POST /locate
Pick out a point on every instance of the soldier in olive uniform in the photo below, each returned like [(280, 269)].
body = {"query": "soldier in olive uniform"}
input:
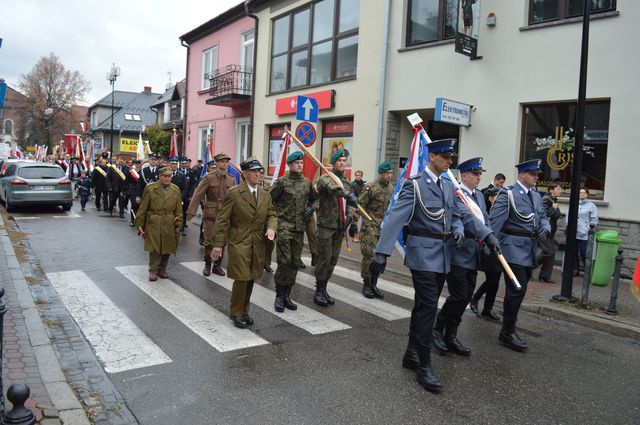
[(374, 198), (159, 220), (334, 216), (246, 217), (292, 197), (213, 187)]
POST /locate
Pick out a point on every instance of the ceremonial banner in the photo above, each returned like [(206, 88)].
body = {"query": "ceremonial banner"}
[(71, 142)]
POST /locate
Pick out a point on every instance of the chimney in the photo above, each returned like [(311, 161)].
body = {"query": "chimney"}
[(147, 89)]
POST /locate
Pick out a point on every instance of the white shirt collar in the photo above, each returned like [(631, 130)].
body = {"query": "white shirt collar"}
[(523, 186), (431, 174), (466, 189)]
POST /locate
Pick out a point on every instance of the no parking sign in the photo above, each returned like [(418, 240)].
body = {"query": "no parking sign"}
[(306, 133)]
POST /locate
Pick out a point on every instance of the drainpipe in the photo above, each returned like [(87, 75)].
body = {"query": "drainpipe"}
[(383, 82), (185, 127), (253, 74)]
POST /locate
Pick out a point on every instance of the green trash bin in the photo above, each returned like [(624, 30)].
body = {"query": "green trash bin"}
[(607, 244)]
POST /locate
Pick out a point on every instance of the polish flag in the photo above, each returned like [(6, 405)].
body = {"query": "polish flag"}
[(174, 144)]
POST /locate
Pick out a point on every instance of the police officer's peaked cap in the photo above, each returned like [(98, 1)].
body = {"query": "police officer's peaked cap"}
[(471, 165), (337, 155), (222, 156), (173, 159), (250, 163), (385, 166), (294, 156), (530, 166), (211, 163), (184, 159), (105, 155), (442, 147), (137, 161)]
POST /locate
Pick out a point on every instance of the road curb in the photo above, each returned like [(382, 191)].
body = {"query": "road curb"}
[(60, 392)]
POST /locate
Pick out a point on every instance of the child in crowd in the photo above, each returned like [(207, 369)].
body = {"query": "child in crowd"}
[(84, 188)]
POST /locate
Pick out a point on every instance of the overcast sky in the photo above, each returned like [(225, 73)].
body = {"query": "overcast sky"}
[(140, 36)]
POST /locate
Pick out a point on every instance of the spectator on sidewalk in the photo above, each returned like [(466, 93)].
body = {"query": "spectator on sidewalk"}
[(84, 188), (548, 247), (498, 182), (587, 217)]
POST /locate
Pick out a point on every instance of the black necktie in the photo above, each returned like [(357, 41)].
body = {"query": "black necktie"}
[(473, 197), (439, 183), (530, 197)]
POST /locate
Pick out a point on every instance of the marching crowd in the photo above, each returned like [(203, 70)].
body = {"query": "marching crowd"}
[(451, 231)]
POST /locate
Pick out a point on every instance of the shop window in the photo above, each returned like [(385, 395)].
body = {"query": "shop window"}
[(551, 10), (549, 135), (275, 145), (431, 20), (337, 135), (315, 44)]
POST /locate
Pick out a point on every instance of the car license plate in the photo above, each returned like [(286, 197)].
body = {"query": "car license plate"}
[(42, 187)]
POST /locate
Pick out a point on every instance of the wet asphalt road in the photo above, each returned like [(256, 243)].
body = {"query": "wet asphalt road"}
[(571, 374)]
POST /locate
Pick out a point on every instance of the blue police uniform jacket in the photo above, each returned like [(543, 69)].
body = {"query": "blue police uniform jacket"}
[(468, 256), (518, 250), (422, 253)]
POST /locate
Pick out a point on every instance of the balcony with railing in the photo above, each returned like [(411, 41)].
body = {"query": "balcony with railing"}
[(230, 86)]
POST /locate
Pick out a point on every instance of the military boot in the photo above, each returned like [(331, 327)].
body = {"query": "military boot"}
[(288, 304), (425, 374), (366, 289), (327, 296), (410, 360), (217, 269), (319, 297), (313, 260), (376, 292), (207, 266), (453, 344), (438, 336), (279, 304)]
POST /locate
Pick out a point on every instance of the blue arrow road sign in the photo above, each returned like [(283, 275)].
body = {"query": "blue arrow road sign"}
[(307, 109)]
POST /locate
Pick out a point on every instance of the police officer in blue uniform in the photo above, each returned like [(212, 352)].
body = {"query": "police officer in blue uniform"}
[(461, 280), (425, 208), (518, 218)]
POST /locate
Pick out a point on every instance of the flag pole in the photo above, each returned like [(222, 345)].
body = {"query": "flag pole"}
[(325, 169)]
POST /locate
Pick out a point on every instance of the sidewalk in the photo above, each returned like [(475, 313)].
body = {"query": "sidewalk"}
[(538, 299), (28, 356)]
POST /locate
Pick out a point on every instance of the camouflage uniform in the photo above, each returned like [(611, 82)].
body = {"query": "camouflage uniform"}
[(291, 195), (330, 228), (375, 199)]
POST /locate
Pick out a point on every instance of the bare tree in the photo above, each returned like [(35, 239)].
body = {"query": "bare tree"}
[(52, 90)]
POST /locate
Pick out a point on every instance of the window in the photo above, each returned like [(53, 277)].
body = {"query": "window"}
[(551, 10), (431, 20), (246, 55), (242, 140), (337, 135), (166, 112), (41, 172), (315, 44), (275, 145), (549, 135), (209, 65), (128, 117), (202, 141), (8, 127), (94, 118)]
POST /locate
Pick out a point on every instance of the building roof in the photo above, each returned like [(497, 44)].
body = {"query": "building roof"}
[(213, 25), (175, 92), (139, 104), (120, 98)]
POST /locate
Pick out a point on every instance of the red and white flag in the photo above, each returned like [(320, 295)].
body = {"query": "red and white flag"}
[(71, 141), (281, 165), (210, 142), (174, 144), (83, 126)]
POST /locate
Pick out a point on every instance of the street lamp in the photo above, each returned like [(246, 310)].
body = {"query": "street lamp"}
[(48, 114), (112, 75)]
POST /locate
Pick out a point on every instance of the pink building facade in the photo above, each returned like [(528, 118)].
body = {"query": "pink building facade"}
[(219, 81)]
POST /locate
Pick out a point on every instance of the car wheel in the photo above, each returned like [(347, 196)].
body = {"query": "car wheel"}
[(67, 207), (8, 205)]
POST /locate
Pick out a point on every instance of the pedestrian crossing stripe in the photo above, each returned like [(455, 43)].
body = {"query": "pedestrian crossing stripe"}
[(118, 343), (304, 318), (374, 306), (205, 321)]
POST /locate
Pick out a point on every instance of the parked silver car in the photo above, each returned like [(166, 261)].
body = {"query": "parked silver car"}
[(34, 183)]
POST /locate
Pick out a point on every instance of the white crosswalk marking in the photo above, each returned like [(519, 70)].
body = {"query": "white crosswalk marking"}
[(374, 306), (304, 317), (118, 342), (205, 321), (395, 288)]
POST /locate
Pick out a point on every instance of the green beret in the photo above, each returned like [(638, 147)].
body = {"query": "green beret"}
[(294, 156), (385, 166), (335, 156)]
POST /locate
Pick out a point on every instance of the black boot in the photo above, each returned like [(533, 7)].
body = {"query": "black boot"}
[(366, 289), (313, 260), (217, 269), (327, 296), (319, 297), (288, 304), (410, 360), (425, 374), (453, 344), (438, 337), (279, 304), (376, 292), (207, 266), (509, 338), (298, 264), (473, 305)]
